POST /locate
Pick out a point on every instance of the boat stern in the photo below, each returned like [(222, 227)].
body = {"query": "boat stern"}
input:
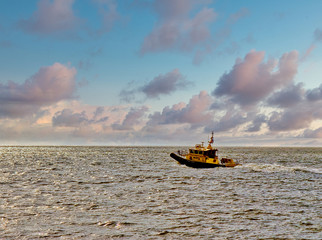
[(228, 162)]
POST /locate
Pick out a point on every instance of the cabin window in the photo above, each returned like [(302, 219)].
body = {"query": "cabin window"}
[(211, 153), (191, 151)]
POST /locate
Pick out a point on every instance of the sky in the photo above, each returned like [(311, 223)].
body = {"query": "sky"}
[(161, 72)]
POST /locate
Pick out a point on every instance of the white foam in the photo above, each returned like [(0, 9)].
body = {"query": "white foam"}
[(278, 168)]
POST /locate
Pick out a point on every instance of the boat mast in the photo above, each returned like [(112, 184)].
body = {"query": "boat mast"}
[(211, 141)]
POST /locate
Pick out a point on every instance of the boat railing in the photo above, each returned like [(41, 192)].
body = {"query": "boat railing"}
[(182, 152)]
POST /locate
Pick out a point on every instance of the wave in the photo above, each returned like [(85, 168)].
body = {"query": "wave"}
[(278, 168)]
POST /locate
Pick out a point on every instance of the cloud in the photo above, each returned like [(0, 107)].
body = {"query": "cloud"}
[(49, 85), (251, 79), (98, 112), (317, 38), (132, 118), (186, 26), (288, 96), (195, 112), (314, 94), (257, 123), (128, 94), (57, 17), (51, 17), (220, 37), (109, 15), (67, 122), (308, 52), (175, 29), (318, 35), (236, 16), (289, 121), (67, 118), (317, 133), (164, 84), (297, 115), (230, 120)]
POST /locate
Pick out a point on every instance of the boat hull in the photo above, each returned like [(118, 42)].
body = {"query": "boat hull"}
[(194, 164)]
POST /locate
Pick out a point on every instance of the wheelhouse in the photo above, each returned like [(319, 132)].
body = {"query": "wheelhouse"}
[(211, 153)]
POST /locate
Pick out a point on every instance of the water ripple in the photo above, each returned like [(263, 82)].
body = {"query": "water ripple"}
[(141, 193)]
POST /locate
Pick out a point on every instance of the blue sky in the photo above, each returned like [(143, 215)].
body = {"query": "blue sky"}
[(160, 72)]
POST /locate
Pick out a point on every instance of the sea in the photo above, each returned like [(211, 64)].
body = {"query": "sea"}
[(103, 192)]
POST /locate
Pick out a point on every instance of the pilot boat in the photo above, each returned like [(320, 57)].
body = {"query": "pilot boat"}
[(202, 157)]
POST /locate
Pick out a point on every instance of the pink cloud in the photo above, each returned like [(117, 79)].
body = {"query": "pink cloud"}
[(51, 17), (220, 37), (175, 28), (195, 112), (308, 52), (251, 79), (132, 119), (49, 85), (198, 28), (67, 118)]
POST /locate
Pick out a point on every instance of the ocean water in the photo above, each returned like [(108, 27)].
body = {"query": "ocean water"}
[(141, 193)]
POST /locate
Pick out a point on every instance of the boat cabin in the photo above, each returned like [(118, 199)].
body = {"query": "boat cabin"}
[(200, 153), (211, 153)]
